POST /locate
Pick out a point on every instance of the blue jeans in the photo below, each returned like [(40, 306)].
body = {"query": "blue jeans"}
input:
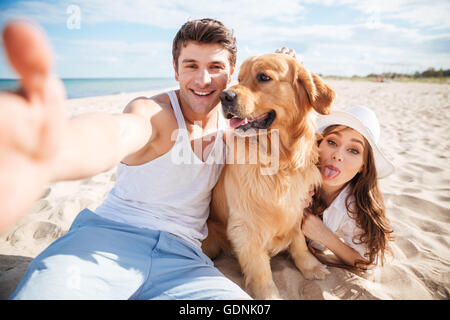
[(103, 259)]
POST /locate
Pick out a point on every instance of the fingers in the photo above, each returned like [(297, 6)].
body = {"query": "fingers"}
[(54, 115), (286, 50), (29, 53), (290, 52), (41, 113)]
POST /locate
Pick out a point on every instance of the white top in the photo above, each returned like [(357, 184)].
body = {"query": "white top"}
[(338, 220), (171, 193)]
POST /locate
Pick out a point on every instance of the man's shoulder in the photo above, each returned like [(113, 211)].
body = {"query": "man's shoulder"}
[(142, 103), (150, 106)]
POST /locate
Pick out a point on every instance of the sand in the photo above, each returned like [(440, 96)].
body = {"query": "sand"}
[(415, 121)]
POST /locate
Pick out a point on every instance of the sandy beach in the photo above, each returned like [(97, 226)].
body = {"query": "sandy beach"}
[(415, 120)]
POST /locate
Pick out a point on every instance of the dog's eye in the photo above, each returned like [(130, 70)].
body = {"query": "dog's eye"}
[(262, 77)]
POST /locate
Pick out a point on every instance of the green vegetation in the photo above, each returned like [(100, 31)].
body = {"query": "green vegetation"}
[(430, 75)]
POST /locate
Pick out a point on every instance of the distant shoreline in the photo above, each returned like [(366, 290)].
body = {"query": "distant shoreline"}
[(102, 78), (93, 87), (443, 80)]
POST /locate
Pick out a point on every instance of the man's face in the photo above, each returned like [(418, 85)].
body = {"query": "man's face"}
[(203, 72)]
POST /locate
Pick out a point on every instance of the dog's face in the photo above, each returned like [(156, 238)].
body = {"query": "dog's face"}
[(274, 91)]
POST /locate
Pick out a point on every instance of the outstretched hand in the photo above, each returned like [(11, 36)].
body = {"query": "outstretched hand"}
[(31, 121)]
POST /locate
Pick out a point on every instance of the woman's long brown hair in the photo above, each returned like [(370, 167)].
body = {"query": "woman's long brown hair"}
[(368, 209)]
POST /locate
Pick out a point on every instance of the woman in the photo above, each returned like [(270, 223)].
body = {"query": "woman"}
[(347, 214)]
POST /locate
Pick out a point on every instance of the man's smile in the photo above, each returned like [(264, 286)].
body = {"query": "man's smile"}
[(202, 93)]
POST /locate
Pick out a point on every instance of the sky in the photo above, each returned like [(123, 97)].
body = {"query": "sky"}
[(133, 38)]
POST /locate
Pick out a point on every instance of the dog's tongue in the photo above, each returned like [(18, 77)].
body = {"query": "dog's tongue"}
[(236, 122)]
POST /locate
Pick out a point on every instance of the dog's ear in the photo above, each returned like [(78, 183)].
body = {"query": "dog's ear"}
[(319, 94)]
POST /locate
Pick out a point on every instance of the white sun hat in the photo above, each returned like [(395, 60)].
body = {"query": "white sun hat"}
[(365, 121)]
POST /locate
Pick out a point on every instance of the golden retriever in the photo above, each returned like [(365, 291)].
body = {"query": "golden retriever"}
[(256, 207)]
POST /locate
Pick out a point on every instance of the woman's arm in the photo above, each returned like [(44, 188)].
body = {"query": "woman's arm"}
[(314, 229)]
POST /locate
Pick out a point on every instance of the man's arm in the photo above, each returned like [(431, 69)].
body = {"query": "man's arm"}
[(96, 142), (37, 144)]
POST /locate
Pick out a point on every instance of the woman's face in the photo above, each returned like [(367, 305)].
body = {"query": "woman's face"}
[(341, 156)]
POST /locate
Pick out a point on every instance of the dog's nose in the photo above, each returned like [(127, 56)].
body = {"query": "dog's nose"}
[(228, 97)]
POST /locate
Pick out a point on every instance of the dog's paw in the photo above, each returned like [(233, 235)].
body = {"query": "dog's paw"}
[(273, 297), (269, 291), (269, 296), (318, 272)]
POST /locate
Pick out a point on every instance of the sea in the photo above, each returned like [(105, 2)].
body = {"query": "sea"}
[(81, 88)]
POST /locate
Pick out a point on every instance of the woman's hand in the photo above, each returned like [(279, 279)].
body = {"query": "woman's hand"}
[(290, 52), (313, 228)]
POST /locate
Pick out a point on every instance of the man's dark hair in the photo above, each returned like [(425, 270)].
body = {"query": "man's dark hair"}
[(204, 31)]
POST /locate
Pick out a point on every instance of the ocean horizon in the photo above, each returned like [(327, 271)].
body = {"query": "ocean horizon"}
[(91, 87)]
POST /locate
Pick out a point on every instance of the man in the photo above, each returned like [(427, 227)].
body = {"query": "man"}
[(143, 242)]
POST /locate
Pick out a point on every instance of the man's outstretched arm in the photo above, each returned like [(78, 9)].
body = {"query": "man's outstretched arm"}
[(38, 144), (96, 142)]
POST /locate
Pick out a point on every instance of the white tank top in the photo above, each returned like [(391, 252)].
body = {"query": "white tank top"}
[(171, 193)]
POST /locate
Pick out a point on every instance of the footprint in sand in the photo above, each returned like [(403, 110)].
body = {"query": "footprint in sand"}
[(86, 181), (432, 227), (408, 247), (38, 230), (41, 205), (431, 169), (311, 290), (44, 229), (422, 207), (443, 198), (411, 190), (46, 193), (406, 177), (66, 210)]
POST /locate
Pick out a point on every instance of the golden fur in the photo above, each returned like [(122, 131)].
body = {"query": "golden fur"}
[(257, 215)]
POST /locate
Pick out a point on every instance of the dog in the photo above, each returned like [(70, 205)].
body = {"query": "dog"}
[(255, 214)]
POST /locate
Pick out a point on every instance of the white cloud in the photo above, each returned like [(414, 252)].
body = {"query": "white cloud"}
[(38, 11), (424, 13), (396, 34), (118, 58), (164, 14)]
